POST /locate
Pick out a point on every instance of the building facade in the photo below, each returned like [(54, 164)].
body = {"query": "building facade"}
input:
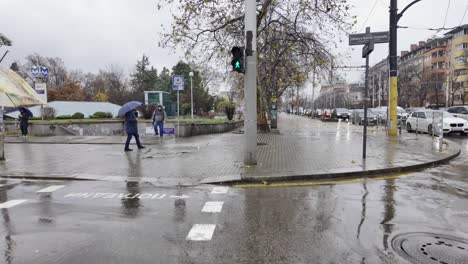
[(458, 55), (427, 72)]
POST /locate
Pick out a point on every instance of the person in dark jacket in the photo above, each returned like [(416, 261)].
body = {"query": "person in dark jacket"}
[(24, 121), (131, 127), (158, 120)]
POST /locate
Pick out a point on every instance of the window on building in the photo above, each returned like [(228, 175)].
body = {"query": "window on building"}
[(461, 46), (460, 72), (461, 59), (461, 33)]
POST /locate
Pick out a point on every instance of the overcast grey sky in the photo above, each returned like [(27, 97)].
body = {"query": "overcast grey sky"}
[(91, 34)]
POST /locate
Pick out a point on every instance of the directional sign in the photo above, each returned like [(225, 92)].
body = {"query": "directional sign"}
[(44, 71), (364, 38), (35, 71), (178, 82), (367, 49)]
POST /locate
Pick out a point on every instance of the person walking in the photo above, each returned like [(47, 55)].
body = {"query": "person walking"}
[(158, 120), (24, 121), (131, 127)]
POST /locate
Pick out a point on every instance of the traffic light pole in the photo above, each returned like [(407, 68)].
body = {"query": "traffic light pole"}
[(250, 84)]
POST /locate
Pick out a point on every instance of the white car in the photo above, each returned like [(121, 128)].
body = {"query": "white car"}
[(459, 111), (421, 121)]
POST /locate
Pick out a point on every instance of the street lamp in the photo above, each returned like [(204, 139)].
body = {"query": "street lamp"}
[(191, 93)]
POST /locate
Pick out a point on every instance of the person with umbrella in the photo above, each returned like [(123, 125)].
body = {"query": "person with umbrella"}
[(131, 123), (24, 116)]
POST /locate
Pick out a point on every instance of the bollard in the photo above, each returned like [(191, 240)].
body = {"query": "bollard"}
[(2, 146)]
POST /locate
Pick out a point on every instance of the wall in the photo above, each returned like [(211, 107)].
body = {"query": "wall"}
[(116, 128)]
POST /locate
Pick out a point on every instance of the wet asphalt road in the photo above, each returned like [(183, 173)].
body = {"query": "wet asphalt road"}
[(118, 222)]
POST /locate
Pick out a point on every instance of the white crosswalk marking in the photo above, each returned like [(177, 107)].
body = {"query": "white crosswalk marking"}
[(220, 190), (212, 207), (11, 203), (51, 188), (201, 232)]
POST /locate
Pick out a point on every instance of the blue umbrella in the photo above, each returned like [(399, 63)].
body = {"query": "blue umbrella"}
[(128, 107), (27, 111)]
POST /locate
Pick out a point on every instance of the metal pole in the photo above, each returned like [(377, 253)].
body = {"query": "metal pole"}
[(313, 91), (380, 85), (392, 93), (191, 95), (2, 136), (447, 87), (178, 113), (366, 97), (250, 84)]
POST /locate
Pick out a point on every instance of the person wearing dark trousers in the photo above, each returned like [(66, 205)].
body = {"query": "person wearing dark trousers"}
[(131, 127), (24, 120), (158, 120)]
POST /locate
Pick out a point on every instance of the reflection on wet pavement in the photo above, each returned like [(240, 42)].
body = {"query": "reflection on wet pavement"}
[(136, 222)]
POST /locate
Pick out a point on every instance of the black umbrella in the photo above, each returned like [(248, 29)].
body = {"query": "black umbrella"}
[(27, 111)]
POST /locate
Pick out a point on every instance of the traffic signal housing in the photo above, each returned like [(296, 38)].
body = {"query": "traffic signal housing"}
[(237, 59)]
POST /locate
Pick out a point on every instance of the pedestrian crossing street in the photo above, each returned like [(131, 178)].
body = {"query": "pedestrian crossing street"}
[(198, 232)]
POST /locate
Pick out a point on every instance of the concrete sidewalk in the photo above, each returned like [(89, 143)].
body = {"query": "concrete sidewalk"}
[(304, 149)]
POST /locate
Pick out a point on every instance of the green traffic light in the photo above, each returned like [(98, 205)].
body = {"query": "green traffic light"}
[(237, 66)]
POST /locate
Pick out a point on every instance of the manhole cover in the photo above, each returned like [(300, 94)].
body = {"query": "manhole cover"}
[(427, 248), (261, 144)]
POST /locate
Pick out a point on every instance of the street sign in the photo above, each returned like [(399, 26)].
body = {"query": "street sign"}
[(44, 71), (35, 71), (367, 49), (39, 71), (364, 38), (178, 82)]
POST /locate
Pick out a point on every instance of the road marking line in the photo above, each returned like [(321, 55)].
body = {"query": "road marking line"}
[(220, 190), (201, 232), (11, 203), (51, 188), (212, 207)]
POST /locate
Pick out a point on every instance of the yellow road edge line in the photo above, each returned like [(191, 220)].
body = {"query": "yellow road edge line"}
[(314, 183)]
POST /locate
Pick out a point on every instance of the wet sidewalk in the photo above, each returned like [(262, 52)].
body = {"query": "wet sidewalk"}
[(304, 149)]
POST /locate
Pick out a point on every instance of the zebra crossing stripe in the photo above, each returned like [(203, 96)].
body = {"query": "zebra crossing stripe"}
[(201, 232), (51, 188), (212, 207)]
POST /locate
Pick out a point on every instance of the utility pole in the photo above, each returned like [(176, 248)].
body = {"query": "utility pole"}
[(191, 94), (393, 89), (313, 90), (447, 88), (250, 83)]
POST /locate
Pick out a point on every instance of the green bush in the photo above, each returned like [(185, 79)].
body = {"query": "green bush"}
[(77, 115), (63, 117), (109, 115), (99, 115)]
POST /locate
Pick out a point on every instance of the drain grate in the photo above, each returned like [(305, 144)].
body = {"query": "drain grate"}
[(428, 248)]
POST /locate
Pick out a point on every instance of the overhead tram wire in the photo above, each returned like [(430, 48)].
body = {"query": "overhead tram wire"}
[(369, 15), (445, 19), (461, 21)]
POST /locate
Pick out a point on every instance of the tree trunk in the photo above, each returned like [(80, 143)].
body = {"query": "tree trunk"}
[(262, 122)]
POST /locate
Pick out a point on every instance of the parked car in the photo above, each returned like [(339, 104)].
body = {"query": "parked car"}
[(459, 111), (357, 117), (421, 121), (341, 113)]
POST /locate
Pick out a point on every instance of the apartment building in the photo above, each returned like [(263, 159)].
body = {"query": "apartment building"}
[(426, 71), (458, 66)]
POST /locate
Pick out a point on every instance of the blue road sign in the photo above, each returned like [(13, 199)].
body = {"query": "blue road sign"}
[(35, 71), (44, 71), (178, 82)]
